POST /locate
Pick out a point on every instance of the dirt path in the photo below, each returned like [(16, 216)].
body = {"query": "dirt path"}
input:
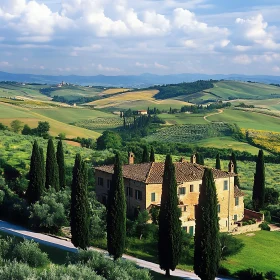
[(220, 111)]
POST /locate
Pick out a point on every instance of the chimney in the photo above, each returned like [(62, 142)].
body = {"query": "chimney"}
[(193, 158), (130, 158), (182, 159), (231, 167)]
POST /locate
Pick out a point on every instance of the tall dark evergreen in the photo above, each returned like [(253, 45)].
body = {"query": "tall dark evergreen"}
[(199, 158), (259, 183), (42, 158), (152, 155), (52, 176), (207, 250), (170, 234), (61, 164), (236, 178), (116, 213), (145, 155), (218, 162), (79, 212), (35, 187)]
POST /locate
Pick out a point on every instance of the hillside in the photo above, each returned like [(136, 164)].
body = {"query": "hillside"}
[(9, 112)]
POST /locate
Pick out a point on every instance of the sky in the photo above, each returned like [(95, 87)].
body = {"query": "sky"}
[(131, 37)]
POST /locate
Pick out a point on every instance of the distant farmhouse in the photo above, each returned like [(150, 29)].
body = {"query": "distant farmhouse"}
[(143, 186)]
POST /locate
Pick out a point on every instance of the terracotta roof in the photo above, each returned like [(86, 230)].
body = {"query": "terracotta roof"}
[(152, 173), (238, 192)]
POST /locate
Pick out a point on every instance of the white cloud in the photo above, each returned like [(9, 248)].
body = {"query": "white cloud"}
[(5, 64), (276, 69), (242, 59), (160, 66), (107, 69), (143, 65)]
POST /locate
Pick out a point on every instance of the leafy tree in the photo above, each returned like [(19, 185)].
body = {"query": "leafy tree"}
[(109, 139), (62, 136), (26, 130), (154, 212), (43, 129), (152, 155), (36, 187), (145, 155), (116, 213), (61, 164), (52, 176), (16, 126), (170, 234), (259, 183), (218, 162), (79, 214), (3, 127), (236, 178), (271, 196), (207, 248)]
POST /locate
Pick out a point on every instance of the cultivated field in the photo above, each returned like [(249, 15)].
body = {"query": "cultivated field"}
[(8, 113)]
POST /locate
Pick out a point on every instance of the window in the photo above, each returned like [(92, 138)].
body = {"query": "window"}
[(235, 217), (185, 208), (219, 208), (138, 195), (191, 230), (200, 185), (109, 182), (100, 181), (191, 188), (129, 192), (153, 197), (182, 191), (236, 201), (185, 229), (226, 185)]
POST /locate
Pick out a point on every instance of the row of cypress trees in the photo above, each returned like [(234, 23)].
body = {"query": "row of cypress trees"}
[(207, 244), (146, 157), (43, 176)]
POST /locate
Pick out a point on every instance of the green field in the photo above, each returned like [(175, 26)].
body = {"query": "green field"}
[(227, 143), (245, 119), (261, 252), (8, 113), (183, 118), (245, 90)]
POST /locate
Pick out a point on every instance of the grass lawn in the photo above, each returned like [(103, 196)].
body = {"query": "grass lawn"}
[(261, 252), (245, 119)]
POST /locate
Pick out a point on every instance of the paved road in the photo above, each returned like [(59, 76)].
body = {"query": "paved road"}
[(68, 246)]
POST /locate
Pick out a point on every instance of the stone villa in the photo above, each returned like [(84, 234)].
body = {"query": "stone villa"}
[(143, 186)]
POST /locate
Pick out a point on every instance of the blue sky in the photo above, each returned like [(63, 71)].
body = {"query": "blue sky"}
[(120, 37)]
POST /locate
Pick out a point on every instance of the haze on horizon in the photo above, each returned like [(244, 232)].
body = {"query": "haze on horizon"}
[(120, 37)]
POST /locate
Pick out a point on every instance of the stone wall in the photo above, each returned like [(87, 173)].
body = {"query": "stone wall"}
[(245, 229)]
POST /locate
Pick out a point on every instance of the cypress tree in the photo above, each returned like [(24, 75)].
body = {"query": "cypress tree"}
[(259, 183), (236, 178), (145, 155), (52, 177), (218, 162), (43, 166), (199, 158), (152, 155), (206, 241), (61, 164), (116, 213), (170, 233), (79, 212), (35, 187)]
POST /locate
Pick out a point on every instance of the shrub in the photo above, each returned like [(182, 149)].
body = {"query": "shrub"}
[(223, 271), (264, 226), (110, 270), (18, 271), (230, 245), (271, 275), (249, 274), (29, 252)]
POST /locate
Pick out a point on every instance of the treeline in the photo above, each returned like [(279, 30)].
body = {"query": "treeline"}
[(174, 90), (200, 109)]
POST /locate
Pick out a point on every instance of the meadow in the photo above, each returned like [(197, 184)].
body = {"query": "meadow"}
[(9, 112)]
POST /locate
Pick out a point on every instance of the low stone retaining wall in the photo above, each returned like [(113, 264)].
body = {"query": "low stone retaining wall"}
[(248, 228)]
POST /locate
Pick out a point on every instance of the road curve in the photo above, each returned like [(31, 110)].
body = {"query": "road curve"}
[(220, 111), (68, 246)]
